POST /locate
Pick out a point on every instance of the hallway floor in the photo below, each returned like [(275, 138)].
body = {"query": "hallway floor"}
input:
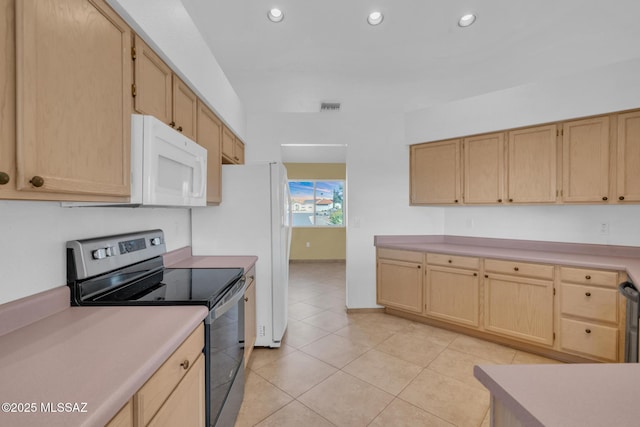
[(365, 369)]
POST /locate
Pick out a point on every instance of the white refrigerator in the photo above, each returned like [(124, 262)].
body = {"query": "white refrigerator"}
[(254, 218)]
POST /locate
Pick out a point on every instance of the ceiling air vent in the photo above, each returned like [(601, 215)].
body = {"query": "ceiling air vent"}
[(330, 106)]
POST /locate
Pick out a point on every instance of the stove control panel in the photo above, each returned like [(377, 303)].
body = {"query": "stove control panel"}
[(90, 257)]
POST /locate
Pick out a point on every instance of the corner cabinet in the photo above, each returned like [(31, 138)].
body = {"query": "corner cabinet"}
[(73, 80), (435, 173), (400, 279)]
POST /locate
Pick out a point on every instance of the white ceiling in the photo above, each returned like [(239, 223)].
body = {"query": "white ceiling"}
[(418, 57)]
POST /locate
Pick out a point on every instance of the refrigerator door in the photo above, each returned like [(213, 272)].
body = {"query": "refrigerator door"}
[(281, 243)]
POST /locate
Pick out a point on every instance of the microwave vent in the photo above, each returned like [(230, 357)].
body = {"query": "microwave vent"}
[(330, 106)]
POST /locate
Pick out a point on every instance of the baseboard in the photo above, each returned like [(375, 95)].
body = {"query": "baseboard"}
[(364, 310)]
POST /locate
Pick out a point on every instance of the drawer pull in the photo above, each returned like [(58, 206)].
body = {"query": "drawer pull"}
[(475, 274), (621, 198), (4, 178), (449, 261), (516, 269), (587, 277), (185, 364), (486, 276), (588, 294), (37, 181), (588, 331)]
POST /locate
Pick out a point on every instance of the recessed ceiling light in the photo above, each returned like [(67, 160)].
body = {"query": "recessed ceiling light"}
[(467, 20), (375, 18), (275, 15)]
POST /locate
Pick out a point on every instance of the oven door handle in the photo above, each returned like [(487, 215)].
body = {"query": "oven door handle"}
[(227, 304)]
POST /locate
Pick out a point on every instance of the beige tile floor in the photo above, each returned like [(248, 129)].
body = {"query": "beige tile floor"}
[(365, 369)]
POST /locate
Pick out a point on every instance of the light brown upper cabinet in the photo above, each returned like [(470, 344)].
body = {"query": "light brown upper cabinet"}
[(585, 160), (484, 169), (232, 148), (532, 167), (435, 173), (159, 92), (628, 157), (73, 117), (210, 137), (153, 83), (185, 108)]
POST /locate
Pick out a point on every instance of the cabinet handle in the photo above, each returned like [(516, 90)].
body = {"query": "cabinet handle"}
[(475, 274), (588, 331), (37, 181), (172, 124), (449, 261), (185, 364), (246, 299), (621, 198), (516, 269), (4, 178), (588, 294), (455, 201), (486, 276), (587, 277), (419, 266), (499, 200), (179, 129), (605, 198), (511, 200)]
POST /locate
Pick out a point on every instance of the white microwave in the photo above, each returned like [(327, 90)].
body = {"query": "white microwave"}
[(167, 168)]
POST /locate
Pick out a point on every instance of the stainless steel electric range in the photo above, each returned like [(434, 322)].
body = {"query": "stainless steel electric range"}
[(128, 269)]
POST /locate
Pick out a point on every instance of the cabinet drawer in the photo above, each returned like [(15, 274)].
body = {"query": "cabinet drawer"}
[(519, 268), (589, 277), (400, 255), (454, 261), (155, 391), (590, 302), (589, 339)]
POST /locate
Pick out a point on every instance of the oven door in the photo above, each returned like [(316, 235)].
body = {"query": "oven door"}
[(224, 371)]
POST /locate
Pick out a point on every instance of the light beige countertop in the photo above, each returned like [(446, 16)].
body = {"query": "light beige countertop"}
[(182, 258), (608, 257), (93, 358), (579, 395)]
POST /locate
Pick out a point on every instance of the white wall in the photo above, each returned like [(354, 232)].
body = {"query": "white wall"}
[(612, 88), (33, 237), (167, 27), (377, 181)]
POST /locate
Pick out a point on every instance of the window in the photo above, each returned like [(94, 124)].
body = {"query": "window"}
[(317, 203)]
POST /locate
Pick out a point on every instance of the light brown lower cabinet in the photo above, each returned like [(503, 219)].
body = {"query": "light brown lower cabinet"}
[(400, 283), (174, 395), (250, 325), (571, 313)]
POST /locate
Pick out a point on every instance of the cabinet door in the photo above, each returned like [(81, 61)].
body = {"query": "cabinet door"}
[(484, 169), (519, 307), (210, 136), (532, 165), (124, 418), (250, 325), (152, 83), (7, 95), (628, 157), (435, 173), (228, 146), (400, 285), (453, 295), (585, 160), (185, 406), (73, 61), (239, 151), (185, 108)]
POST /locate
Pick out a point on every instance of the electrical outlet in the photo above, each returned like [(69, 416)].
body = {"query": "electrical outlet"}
[(604, 228), (308, 244)]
